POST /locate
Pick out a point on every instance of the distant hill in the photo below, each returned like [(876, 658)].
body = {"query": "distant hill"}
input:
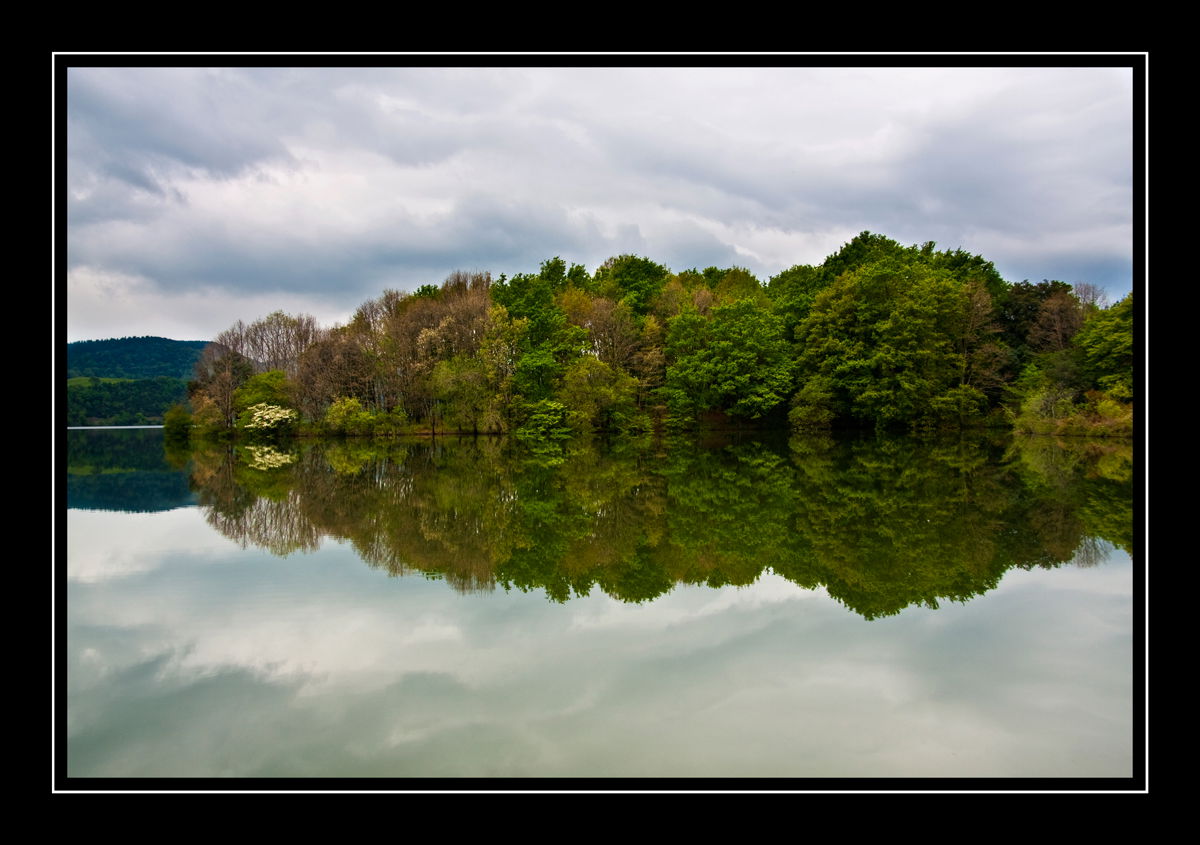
[(133, 358), (127, 381)]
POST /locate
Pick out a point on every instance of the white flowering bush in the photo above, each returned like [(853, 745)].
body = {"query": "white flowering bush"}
[(267, 420)]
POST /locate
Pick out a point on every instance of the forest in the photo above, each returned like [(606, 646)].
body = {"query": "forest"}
[(879, 335), (129, 380), (114, 401), (133, 358)]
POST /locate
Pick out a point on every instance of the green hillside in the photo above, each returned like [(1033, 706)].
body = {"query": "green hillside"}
[(133, 357), (127, 381)]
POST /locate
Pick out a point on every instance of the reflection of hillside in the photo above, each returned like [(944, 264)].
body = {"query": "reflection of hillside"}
[(123, 470), (882, 524)]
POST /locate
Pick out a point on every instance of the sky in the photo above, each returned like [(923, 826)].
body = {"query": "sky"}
[(195, 197)]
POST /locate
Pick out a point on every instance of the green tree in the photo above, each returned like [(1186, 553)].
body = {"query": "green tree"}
[(737, 362), (599, 396), (877, 347), (631, 279), (1105, 344), (792, 293), (272, 387), (347, 416), (461, 386), (177, 424), (739, 283)]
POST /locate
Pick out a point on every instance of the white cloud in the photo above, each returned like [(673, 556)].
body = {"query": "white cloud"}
[(102, 303), (97, 553)]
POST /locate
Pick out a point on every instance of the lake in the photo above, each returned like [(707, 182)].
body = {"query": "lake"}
[(724, 607)]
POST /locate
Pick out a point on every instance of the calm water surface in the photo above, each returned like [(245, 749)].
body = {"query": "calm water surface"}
[(806, 608)]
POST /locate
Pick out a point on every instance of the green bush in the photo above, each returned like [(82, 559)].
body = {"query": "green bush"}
[(347, 417), (546, 420), (177, 424)]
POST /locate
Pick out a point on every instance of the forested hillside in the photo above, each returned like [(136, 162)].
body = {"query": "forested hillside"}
[(128, 381), (94, 401), (878, 335), (134, 357)]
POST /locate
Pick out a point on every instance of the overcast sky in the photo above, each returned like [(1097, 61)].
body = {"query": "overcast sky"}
[(196, 197)]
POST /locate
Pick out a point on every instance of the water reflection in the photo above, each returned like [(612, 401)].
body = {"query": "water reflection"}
[(880, 523), (125, 470), (264, 648)]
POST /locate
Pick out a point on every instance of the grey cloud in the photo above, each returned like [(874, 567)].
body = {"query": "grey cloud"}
[(131, 124), (1029, 167)]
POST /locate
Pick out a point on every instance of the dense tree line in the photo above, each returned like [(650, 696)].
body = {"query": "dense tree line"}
[(92, 401), (878, 335)]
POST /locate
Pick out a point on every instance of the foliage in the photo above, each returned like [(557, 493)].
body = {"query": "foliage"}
[(269, 388), (881, 523), (878, 335), (97, 401), (599, 396), (876, 347), (1105, 343), (737, 360), (544, 420), (347, 416), (632, 280), (133, 358), (177, 423)]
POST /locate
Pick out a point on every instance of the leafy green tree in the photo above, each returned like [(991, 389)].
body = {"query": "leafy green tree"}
[(792, 293), (544, 420), (461, 385), (530, 297), (599, 396), (501, 349), (272, 388), (739, 283), (177, 424), (685, 390), (877, 347), (966, 267), (554, 271), (1105, 343), (347, 416), (867, 248), (631, 279), (737, 362)]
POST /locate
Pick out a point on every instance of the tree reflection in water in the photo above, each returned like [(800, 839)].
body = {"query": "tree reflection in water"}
[(881, 523)]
